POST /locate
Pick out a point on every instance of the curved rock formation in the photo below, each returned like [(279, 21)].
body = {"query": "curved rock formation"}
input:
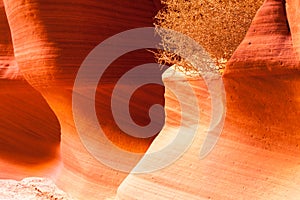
[(51, 39), (270, 45), (30, 132), (256, 156)]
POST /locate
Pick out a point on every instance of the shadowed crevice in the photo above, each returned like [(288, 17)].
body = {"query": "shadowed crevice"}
[(29, 130), (285, 15)]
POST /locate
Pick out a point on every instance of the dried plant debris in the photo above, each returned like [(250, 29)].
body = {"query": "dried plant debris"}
[(31, 189), (219, 26)]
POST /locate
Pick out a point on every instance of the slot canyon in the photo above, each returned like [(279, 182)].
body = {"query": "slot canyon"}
[(43, 45)]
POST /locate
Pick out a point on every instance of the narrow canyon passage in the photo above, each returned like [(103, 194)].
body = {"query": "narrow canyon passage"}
[(256, 157), (50, 41)]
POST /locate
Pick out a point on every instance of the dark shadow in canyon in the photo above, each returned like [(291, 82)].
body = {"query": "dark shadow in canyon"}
[(30, 131)]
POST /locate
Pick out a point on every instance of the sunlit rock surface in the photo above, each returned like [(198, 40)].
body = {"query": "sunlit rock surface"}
[(256, 156), (271, 44), (50, 41)]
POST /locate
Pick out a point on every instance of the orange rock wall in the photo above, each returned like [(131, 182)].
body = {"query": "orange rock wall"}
[(270, 45), (255, 158), (50, 41)]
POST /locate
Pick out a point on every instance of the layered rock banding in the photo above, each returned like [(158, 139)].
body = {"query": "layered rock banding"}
[(26, 119), (270, 45), (50, 41), (256, 156)]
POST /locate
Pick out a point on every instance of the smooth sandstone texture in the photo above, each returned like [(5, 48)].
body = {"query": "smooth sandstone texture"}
[(271, 43), (30, 132), (50, 40), (256, 156)]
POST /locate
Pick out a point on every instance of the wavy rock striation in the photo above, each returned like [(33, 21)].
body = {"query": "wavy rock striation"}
[(30, 132), (256, 156), (8, 66), (50, 41), (271, 43)]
